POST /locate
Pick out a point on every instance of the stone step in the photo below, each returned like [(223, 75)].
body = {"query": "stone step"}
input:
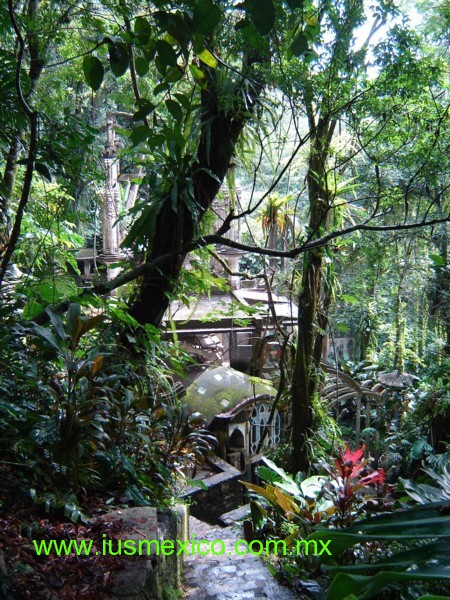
[(233, 516), (229, 576)]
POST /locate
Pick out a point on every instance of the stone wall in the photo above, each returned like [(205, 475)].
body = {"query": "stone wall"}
[(153, 577), (216, 495)]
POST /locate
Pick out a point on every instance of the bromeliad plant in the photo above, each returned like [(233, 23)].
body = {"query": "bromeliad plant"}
[(349, 489), (353, 487)]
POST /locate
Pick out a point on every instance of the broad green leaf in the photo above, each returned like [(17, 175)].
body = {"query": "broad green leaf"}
[(422, 521), (313, 485), (438, 551), (141, 65), (311, 56), (263, 15), (343, 585), (93, 72), (118, 58), (175, 109), (161, 87), (160, 65), (299, 45), (144, 110), (207, 16), (166, 53), (143, 29), (252, 37), (198, 76), (206, 57), (177, 27), (183, 100), (427, 521), (281, 473), (43, 170), (156, 140), (173, 74), (312, 28), (31, 309), (53, 290), (438, 261), (139, 134)]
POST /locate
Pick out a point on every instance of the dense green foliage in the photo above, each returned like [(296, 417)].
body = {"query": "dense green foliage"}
[(326, 125), (82, 415), (400, 553)]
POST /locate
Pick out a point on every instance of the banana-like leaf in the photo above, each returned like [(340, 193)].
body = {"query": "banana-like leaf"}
[(424, 493), (424, 522), (433, 597), (345, 585), (47, 335), (265, 493), (258, 514), (437, 551), (430, 520), (286, 503)]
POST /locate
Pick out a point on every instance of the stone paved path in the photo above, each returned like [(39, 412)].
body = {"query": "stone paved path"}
[(229, 576)]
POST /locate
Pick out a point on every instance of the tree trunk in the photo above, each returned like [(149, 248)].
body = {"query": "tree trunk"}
[(37, 49), (175, 229), (399, 344), (306, 373), (9, 178)]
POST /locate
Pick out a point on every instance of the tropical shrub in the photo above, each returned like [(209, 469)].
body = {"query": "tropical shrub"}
[(353, 487), (79, 413), (290, 508), (349, 489)]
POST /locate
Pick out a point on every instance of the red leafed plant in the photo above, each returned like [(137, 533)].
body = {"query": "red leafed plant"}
[(351, 488)]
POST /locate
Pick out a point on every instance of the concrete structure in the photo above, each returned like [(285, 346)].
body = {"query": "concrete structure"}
[(218, 491), (238, 409), (153, 576)]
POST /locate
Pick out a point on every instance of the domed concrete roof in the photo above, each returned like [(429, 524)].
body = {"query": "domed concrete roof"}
[(219, 389)]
